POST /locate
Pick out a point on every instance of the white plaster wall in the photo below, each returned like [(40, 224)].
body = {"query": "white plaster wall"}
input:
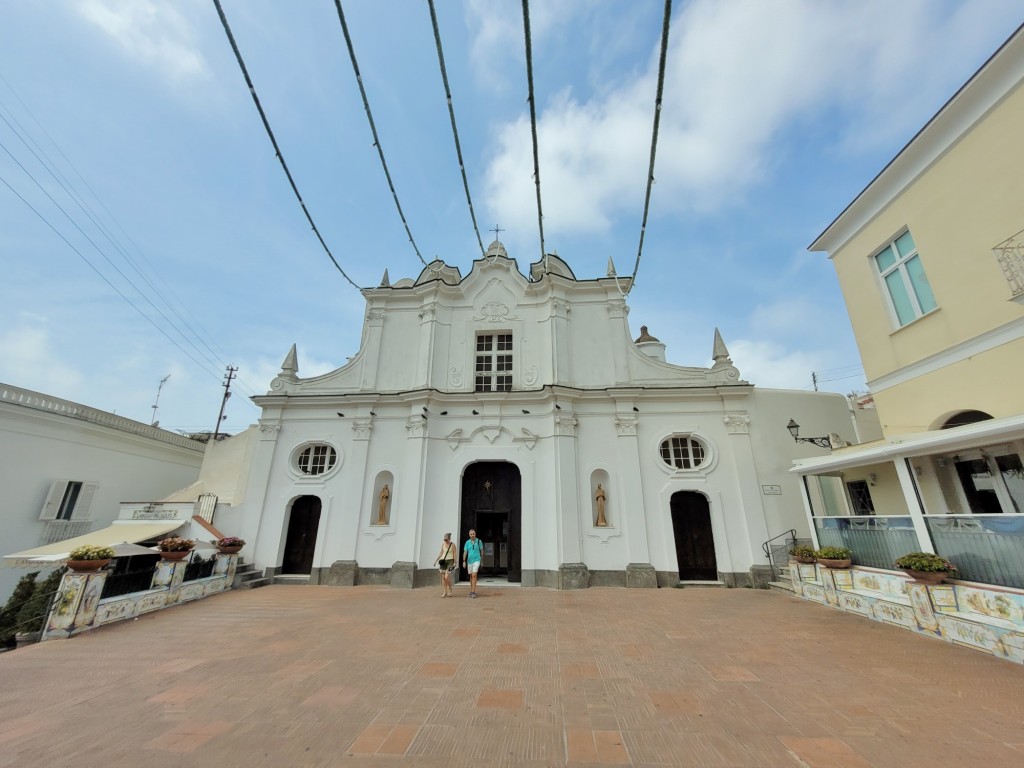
[(37, 448)]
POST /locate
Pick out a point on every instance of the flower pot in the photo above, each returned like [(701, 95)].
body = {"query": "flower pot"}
[(230, 550), (179, 555), (87, 566), (804, 559), (835, 563), (927, 577)]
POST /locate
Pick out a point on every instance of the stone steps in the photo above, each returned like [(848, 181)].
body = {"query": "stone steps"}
[(247, 577)]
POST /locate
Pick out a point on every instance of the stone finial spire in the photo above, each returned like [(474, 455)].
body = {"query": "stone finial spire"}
[(385, 281), (720, 354), (290, 366), (611, 267)]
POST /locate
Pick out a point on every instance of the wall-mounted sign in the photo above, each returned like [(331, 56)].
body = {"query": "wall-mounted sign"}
[(771, 490)]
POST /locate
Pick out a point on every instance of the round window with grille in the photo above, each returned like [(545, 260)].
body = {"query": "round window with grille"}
[(316, 459), (683, 452)]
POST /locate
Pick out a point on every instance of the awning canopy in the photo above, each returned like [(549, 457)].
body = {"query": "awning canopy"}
[(120, 532)]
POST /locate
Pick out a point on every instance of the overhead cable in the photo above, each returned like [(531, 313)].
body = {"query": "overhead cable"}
[(654, 137), (52, 167), (533, 128), (451, 113), (105, 279), (277, 149), (373, 128)]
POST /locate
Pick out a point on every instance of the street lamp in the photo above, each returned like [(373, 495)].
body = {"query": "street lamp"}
[(794, 430)]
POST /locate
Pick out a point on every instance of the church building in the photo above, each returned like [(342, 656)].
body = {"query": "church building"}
[(519, 406)]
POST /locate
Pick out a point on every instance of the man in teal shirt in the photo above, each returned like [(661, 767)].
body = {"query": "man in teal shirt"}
[(471, 559)]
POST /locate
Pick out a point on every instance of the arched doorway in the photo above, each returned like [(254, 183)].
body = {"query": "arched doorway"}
[(300, 542), (695, 543), (491, 504)]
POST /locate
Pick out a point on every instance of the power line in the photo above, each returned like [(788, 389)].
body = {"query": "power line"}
[(373, 128), (53, 168), (451, 113), (273, 141), (104, 277), (533, 127), (654, 137)]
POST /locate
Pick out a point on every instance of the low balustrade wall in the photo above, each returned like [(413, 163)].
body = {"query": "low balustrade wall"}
[(984, 617), (80, 605)]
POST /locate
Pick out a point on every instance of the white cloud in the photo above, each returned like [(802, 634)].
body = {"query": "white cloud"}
[(26, 348), (738, 74), (151, 33), (768, 364)]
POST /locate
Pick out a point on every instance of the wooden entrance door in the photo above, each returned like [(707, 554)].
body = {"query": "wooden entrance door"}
[(301, 540), (491, 492), (695, 544)]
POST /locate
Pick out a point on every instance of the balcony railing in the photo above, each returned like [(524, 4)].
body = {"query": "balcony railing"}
[(985, 548), (875, 541), (1010, 255)]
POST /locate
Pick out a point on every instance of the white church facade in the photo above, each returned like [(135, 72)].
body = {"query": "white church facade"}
[(522, 407)]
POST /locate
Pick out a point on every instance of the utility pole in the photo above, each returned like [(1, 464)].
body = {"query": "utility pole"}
[(154, 422), (814, 380), (227, 393)]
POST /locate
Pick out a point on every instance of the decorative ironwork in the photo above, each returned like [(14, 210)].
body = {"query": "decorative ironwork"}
[(1010, 255)]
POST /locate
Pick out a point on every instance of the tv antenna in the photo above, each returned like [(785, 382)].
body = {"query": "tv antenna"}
[(156, 403)]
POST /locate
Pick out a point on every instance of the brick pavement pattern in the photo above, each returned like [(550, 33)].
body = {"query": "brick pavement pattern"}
[(319, 676)]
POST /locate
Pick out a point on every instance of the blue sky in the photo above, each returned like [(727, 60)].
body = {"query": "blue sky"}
[(776, 114)]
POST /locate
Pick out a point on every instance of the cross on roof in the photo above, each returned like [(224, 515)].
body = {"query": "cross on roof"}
[(496, 230)]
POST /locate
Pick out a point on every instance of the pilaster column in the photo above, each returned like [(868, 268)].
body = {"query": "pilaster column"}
[(631, 491), (567, 503)]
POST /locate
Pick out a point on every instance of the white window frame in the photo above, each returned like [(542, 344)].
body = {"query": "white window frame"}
[(69, 500), (498, 360), (332, 457), (900, 265)]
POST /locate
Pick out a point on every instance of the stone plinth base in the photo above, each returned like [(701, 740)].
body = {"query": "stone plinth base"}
[(641, 575), (403, 575), (573, 576), (342, 573)]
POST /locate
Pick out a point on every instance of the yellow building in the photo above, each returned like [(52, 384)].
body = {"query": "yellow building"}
[(930, 259)]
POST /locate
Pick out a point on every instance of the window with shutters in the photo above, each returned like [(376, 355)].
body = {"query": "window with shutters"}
[(69, 500)]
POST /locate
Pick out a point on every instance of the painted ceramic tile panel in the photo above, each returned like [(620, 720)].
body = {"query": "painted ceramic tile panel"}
[(808, 572), (922, 606), (178, 575), (814, 592), (114, 610), (222, 564), (213, 586), (1013, 645), (164, 573), (866, 581), (944, 598), (998, 605), (152, 602), (855, 604), (829, 587), (62, 615), (91, 595), (895, 614), (968, 633), (843, 579), (191, 592)]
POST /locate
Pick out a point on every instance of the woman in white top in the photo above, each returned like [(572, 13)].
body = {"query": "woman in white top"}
[(445, 561)]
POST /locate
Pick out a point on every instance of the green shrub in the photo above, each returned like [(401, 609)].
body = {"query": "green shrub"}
[(9, 615), (924, 561), (801, 550), (833, 553), (33, 612)]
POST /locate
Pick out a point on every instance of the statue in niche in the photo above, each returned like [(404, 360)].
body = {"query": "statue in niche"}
[(599, 498), (382, 506)]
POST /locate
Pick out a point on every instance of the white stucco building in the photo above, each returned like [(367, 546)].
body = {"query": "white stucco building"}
[(65, 468), (501, 402)]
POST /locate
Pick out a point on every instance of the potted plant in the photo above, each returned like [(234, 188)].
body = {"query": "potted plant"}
[(175, 548), (89, 558), (802, 553), (925, 567), (834, 557), (229, 545)]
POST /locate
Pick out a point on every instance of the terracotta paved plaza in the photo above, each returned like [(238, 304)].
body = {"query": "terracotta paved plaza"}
[(317, 676)]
